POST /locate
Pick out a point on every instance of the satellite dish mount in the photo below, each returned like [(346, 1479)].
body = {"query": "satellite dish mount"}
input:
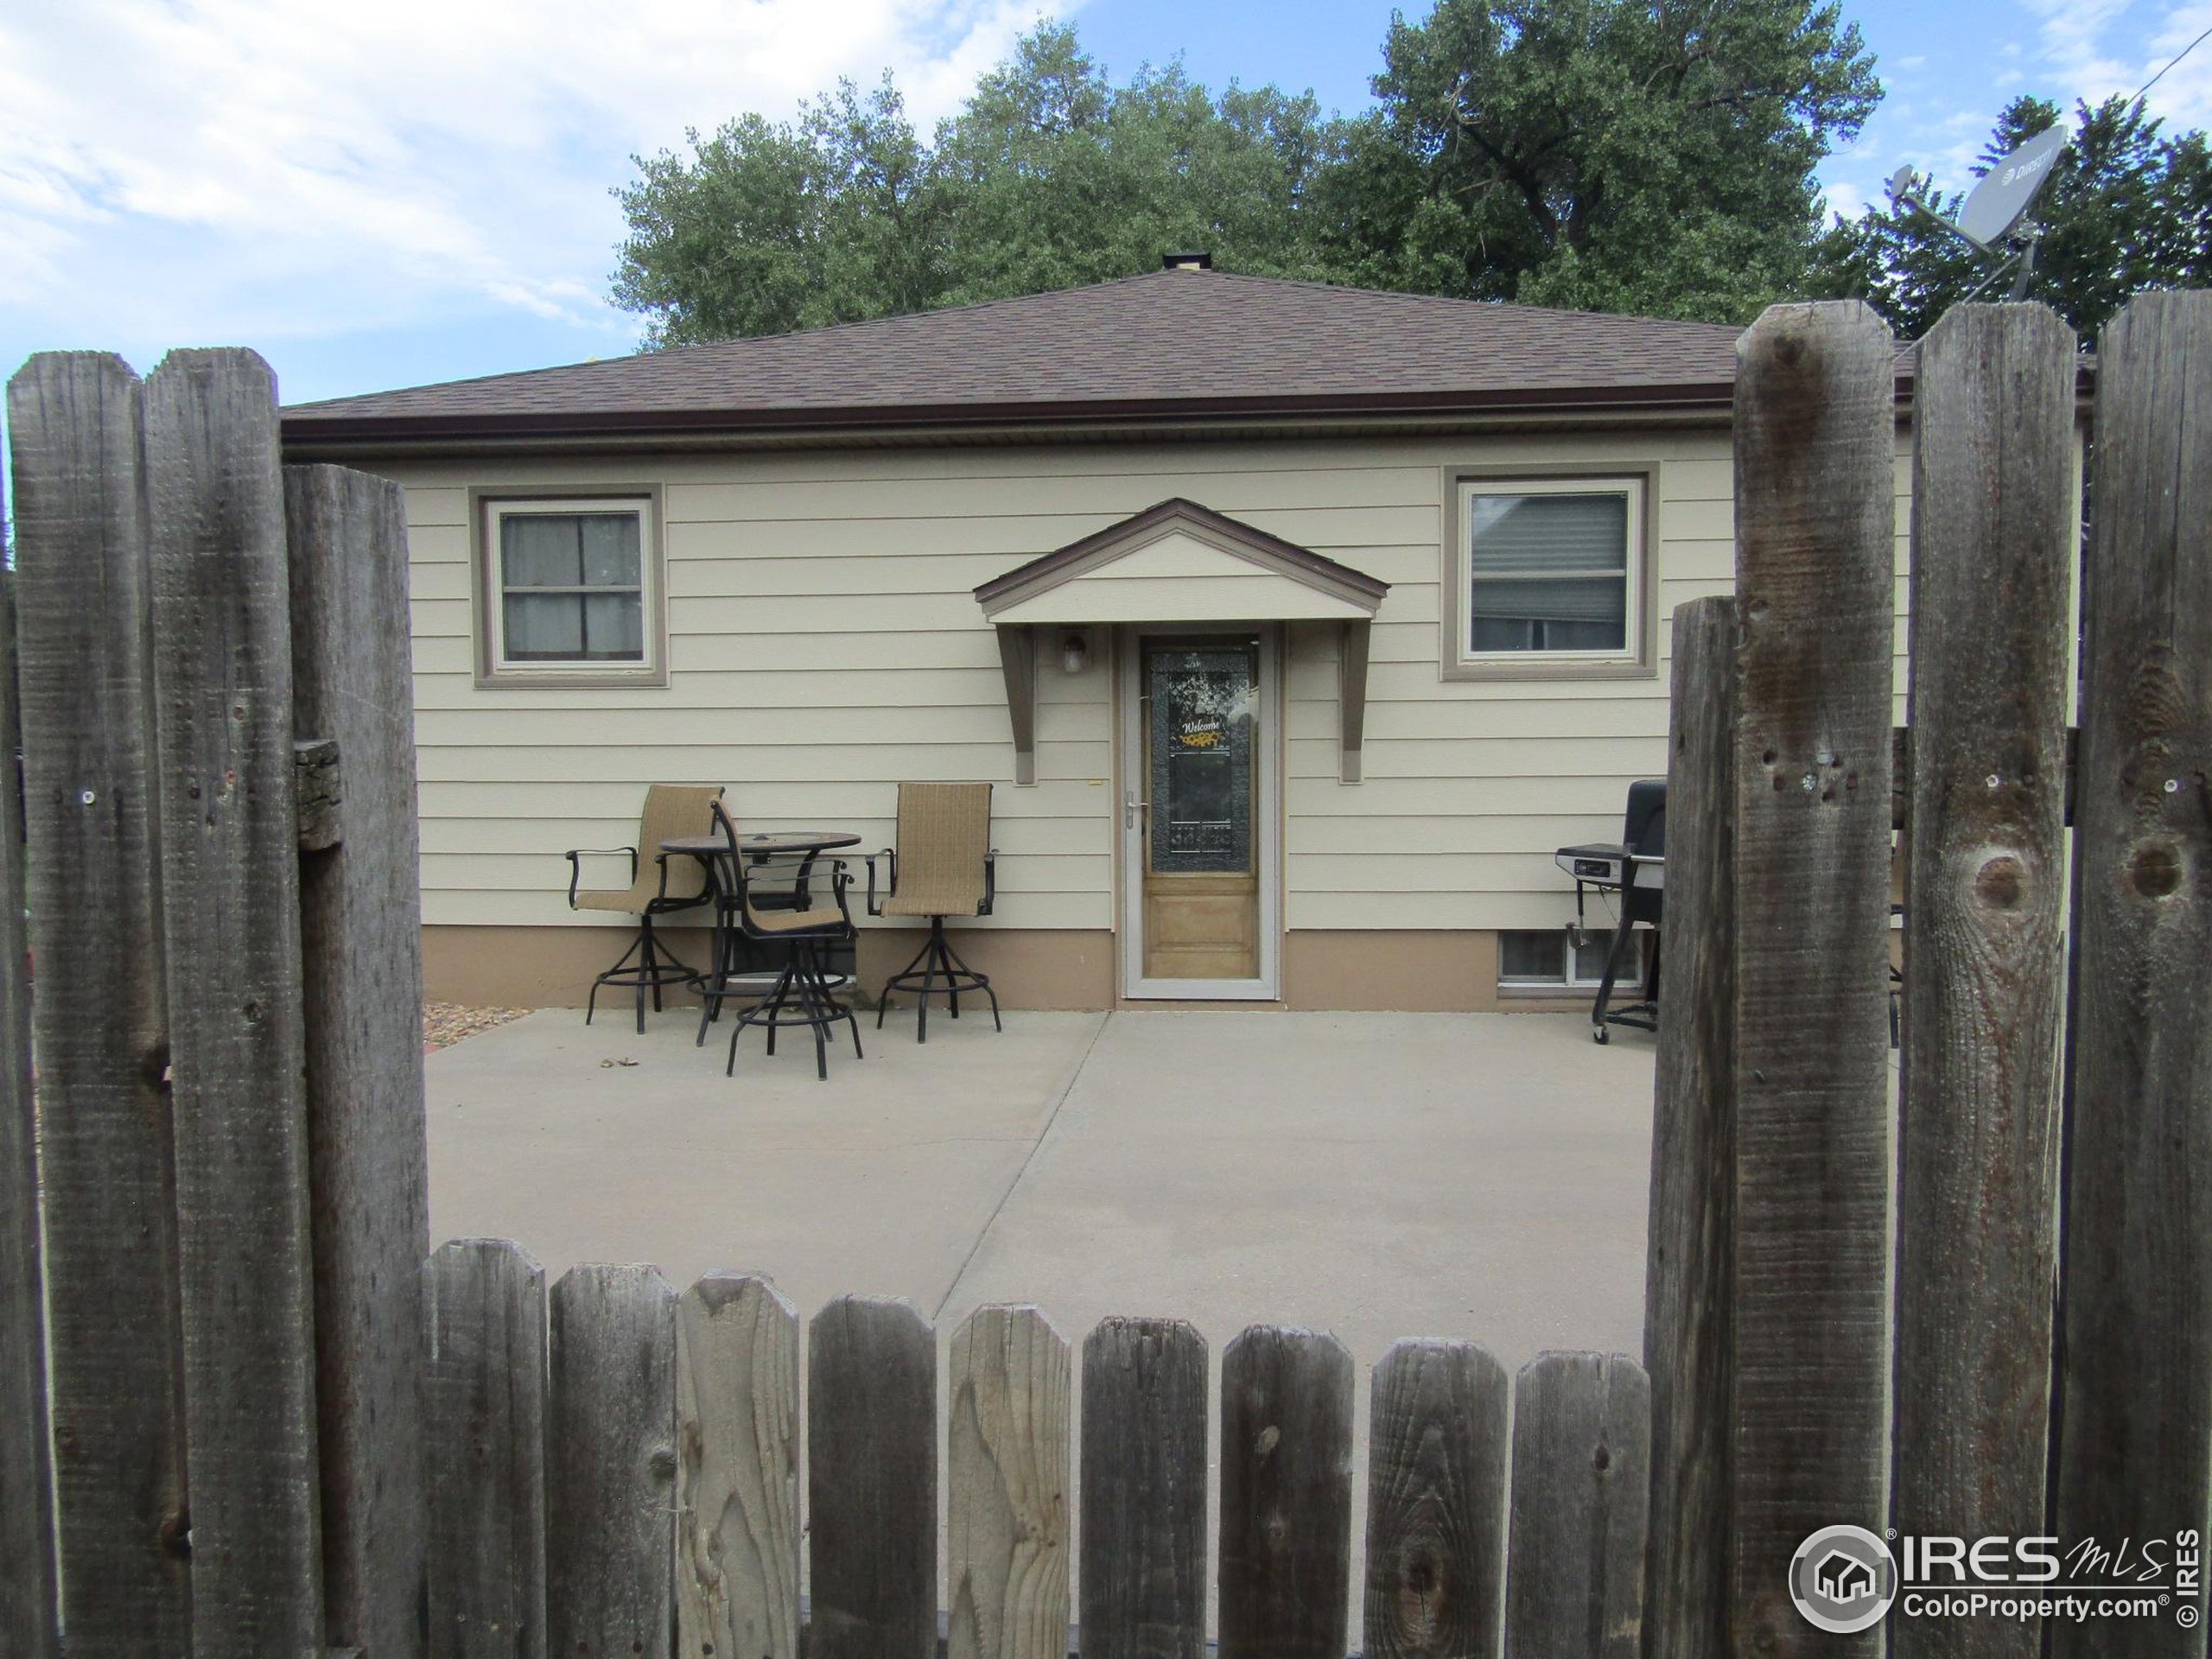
[(1989, 220)]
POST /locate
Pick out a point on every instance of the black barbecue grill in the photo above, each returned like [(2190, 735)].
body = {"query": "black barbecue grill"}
[(1634, 866)]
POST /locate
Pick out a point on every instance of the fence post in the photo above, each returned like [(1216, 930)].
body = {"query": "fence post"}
[(1284, 1560), (26, 1497), (1437, 1453), (360, 944), (1010, 1411), (230, 880), (1143, 1580), (1815, 522), (483, 1386), (2135, 1438), (76, 431), (871, 1479), (1994, 534), (1690, 1262), (1581, 1500), (737, 1518)]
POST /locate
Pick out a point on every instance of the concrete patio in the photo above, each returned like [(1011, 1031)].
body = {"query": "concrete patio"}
[(1376, 1175)]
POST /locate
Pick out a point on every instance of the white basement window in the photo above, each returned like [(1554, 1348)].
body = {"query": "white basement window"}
[(1548, 957), (1549, 575), (570, 590)]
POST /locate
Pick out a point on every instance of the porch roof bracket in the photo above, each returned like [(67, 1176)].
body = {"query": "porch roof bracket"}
[(1351, 696), (1018, 658)]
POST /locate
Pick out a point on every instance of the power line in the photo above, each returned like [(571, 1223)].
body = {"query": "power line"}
[(2174, 59)]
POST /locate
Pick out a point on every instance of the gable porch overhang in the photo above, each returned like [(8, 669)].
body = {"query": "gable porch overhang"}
[(1182, 563)]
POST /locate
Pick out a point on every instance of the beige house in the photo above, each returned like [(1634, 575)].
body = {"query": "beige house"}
[(1296, 626)]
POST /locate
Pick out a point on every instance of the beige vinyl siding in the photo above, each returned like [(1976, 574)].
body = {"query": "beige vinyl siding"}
[(823, 644)]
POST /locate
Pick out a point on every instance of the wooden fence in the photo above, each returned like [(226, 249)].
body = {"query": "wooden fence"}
[(275, 1423)]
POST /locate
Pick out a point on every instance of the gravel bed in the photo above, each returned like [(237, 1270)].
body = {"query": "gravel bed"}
[(445, 1024)]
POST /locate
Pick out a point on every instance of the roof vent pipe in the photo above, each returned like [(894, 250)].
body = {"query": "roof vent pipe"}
[(1186, 262)]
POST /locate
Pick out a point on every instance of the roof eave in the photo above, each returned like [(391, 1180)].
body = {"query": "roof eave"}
[(302, 431)]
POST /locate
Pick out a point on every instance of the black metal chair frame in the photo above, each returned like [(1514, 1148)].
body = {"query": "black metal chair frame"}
[(802, 994), (648, 965), (943, 970), (730, 979)]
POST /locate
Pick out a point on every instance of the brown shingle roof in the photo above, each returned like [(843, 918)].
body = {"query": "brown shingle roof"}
[(1170, 344)]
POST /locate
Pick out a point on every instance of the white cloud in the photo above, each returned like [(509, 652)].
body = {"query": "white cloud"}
[(1844, 199), (2096, 49), (243, 169), (2183, 95)]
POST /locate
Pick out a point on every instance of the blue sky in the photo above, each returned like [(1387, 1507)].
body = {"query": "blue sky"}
[(418, 190)]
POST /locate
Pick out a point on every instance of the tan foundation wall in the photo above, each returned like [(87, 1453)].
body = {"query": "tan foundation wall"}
[(553, 967), (1440, 971)]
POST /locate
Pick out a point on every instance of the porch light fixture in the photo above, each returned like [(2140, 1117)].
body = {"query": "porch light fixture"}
[(1075, 653)]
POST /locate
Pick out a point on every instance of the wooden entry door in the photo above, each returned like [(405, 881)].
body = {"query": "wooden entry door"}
[(1198, 799)]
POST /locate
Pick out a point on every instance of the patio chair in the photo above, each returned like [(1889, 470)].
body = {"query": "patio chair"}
[(658, 888), (768, 912), (746, 969), (943, 866)]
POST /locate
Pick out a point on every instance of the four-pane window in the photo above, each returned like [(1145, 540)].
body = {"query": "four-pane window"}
[(570, 585)]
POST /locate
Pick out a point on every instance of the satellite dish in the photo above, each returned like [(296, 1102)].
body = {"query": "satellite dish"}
[(2010, 188), (1994, 208)]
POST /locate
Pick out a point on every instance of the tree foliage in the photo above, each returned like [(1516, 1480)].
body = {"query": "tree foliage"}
[(2125, 209), (1049, 177), (1653, 156)]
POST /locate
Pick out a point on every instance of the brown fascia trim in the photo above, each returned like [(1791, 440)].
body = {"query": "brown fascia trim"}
[(309, 432), (1177, 506), (314, 437)]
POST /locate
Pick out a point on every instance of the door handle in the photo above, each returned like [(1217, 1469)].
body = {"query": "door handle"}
[(1130, 807)]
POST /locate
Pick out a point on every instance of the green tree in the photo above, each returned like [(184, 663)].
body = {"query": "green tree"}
[(2125, 209), (1049, 176), (1629, 155), (770, 226)]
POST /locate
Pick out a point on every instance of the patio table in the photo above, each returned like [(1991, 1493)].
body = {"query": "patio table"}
[(805, 845)]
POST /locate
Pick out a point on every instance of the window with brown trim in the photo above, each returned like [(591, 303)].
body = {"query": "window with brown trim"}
[(1547, 575), (570, 590)]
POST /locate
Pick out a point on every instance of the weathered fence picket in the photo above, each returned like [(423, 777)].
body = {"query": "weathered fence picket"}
[(231, 914), (484, 1422), (610, 1464), (1581, 1494), (76, 430), (1815, 518), (361, 940), (1436, 1453), (2135, 1438), (1994, 539), (26, 1468), (1142, 1537), (1690, 1262), (737, 1560), (1285, 1562), (870, 1481), (1009, 1413)]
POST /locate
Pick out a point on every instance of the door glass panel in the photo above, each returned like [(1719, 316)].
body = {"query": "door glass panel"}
[(1202, 700)]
